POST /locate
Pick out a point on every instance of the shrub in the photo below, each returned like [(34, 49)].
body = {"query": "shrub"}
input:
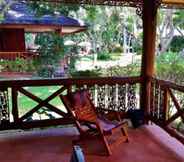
[(118, 49), (170, 66), (45, 71), (129, 70), (103, 56), (87, 73), (18, 65), (177, 44)]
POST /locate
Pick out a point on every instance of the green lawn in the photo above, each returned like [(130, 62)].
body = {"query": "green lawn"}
[(25, 104), (87, 58), (115, 56)]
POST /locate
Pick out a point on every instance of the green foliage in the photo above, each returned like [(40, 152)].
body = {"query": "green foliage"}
[(52, 47), (129, 70), (18, 65), (72, 65), (46, 8), (118, 49), (4, 5), (137, 44), (177, 44), (45, 71), (51, 52), (178, 18), (170, 66), (87, 73), (103, 56)]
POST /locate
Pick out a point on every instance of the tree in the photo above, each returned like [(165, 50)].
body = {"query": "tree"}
[(166, 30), (4, 6), (52, 47), (110, 26), (170, 21)]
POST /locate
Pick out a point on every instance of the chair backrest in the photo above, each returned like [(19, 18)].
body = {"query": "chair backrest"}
[(80, 106)]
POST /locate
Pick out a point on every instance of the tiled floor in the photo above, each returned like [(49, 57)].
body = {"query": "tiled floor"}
[(147, 144)]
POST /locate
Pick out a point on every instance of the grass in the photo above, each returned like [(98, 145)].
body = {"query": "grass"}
[(115, 56), (87, 58), (25, 104)]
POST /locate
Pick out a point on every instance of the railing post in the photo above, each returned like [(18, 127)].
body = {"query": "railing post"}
[(15, 112), (165, 104), (69, 89)]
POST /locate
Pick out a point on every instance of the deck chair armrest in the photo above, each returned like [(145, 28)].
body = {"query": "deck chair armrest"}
[(89, 122), (120, 124), (110, 114)]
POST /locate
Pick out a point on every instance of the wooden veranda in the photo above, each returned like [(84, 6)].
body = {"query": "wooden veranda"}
[(143, 92)]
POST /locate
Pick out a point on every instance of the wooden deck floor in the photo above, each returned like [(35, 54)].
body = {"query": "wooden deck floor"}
[(55, 145)]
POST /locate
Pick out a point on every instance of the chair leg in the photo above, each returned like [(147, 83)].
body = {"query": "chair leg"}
[(125, 133), (107, 147), (104, 140)]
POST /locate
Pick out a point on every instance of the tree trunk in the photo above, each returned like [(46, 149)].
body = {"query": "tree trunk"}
[(166, 32)]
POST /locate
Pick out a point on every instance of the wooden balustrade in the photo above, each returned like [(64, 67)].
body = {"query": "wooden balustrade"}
[(167, 106), (11, 56), (119, 94)]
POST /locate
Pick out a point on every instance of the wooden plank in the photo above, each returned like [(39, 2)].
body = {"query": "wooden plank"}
[(168, 84), (38, 123), (165, 103), (15, 112), (42, 102), (13, 55), (72, 81), (130, 3), (175, 116), (178, 107), (179, 2)]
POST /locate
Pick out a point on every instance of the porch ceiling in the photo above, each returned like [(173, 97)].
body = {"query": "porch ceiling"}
[(131, 3)]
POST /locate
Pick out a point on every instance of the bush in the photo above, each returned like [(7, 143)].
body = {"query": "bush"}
[(118, 49), (177, 44), (87, 73), (45, 71), (18, 65), (103, 56), (137, 44), (170, 66), (129, 70)]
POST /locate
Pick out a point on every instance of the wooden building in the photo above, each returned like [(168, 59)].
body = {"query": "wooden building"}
[(20, 19)]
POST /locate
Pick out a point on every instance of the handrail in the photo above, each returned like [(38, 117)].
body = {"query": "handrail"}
[(19, 54), (168, 84), (70, 81)]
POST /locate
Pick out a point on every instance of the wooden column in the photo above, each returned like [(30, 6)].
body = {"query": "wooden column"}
[(148, 57)]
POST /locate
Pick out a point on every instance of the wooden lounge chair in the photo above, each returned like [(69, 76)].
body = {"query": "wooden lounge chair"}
[(83, 112)]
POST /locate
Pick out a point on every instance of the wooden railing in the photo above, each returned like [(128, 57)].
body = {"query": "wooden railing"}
[(107, 94), (167, 107), (119, 94), (13, 55)]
